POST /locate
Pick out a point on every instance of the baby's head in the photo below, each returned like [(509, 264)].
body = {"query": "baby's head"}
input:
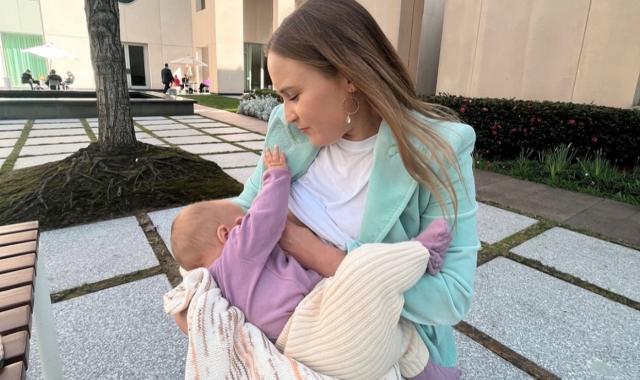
[(200, 231)]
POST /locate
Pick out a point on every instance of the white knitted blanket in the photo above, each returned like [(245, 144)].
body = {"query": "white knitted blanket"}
[(362, 302)]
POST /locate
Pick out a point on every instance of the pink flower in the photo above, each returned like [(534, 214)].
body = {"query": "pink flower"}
[(594, 139), (571, 122), (485, 109), (512, 130), (494, 132), (462, 109)]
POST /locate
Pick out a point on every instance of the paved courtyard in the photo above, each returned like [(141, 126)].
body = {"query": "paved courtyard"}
[(550, 302)]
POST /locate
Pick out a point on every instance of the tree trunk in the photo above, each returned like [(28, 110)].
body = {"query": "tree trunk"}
[(115, 126)]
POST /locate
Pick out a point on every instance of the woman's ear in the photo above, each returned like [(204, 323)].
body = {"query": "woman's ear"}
[(222, 233)]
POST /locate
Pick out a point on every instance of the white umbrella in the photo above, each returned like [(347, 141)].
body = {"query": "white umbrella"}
[(49, 51), (189, 60)]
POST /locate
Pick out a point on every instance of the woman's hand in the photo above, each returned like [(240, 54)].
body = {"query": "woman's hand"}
[(311, 252)]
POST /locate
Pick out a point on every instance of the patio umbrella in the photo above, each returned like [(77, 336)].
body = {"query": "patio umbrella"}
[(189, 60), (49, 51)]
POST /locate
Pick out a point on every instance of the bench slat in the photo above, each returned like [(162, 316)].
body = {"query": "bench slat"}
[(18, 249), (14, 320), (17, 278), (16, 297), (16, 347), (17, 262), (13, 371), (18, 237), (18, 227)]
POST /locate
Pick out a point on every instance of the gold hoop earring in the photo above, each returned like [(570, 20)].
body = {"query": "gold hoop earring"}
[(355, 106)]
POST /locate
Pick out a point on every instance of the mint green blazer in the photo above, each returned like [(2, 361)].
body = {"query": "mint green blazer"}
[(397, 209)]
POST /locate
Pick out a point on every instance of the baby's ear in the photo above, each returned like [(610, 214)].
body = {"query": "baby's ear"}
[(222, 233)]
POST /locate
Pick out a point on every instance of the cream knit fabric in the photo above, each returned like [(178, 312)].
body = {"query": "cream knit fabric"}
[(349, 326)]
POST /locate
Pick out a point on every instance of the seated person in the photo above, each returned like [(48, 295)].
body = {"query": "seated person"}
[(243, 255), (27, 78), (53, 80), (204, 85), (176, 82), (68, 80)]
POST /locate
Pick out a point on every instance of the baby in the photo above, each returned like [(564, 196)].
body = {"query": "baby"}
[(243, 255)]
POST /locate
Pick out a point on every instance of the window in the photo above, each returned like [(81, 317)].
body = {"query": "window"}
[(200, 5)]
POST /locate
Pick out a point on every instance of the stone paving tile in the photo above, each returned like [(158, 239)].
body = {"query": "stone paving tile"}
[(153, 122), (162, 219), (570, 331), (93, 124), (234, 160), (244, 137), (192, 140), (56, 140), (92, 119), (10, 134), (178, 132), (6, 143), (495, 224), (11, 127), (196, 123), (22, 121), (153, 141), (607, 265), (240, 174), (44, 121), (255, 145), (211, 125), (92, 252), (138, 118), (1, 162), (56, 126), (210, 148), (5, 152), (220, 131), (117, 333), (478, 363), (57, 132), (26, 162), (37, 150), (164, 127)]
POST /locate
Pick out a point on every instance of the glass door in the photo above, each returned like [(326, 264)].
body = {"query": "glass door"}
[(255, 67), (136, 66)]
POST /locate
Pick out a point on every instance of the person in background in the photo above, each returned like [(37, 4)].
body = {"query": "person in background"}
[(28, 79), (167, 77), (68, 80), (53, 80), (176, 81)]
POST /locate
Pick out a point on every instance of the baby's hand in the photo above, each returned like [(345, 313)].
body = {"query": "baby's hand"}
[(275, 159)]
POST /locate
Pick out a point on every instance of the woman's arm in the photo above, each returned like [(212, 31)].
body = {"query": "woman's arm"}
[(311, 252)]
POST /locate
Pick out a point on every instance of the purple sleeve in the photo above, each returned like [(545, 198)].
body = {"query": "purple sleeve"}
[(436, 238)]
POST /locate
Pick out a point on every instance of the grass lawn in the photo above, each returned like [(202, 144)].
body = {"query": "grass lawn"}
[(216, 101)]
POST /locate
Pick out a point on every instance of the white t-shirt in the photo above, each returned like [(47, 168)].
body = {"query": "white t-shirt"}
[(330, 197)]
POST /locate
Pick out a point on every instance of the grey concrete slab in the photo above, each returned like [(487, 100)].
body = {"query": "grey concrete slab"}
[(6, 143), (240, 174), (37, 150), (117, 333), (178, 133), (221, 131), (11, 127), (21, 121), (610, 218), (202, 139), (234, 160), (211, 125), (57, 126), (196, 116), (209, 148), (162, 219), (485, 178), (153, 141), (244, 137), (495, 224), (57, 132), (255, 145), (93, 252), (58, 121), (26, 162), (10, 134), (165, 127), (56, 140), (92, 119), (1, 162), (607, 265), (93, 124), (196, 122), (137, 118), (153, 122), (5, 152), (570, 331), (478, 363)]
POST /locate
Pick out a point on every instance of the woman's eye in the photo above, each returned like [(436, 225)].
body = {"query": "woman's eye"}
[(293, 98)]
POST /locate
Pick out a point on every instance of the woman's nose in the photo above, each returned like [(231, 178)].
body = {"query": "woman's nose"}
[(290, 114)]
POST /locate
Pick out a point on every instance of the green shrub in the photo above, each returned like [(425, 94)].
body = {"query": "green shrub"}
[(504, 127), (261, 93)]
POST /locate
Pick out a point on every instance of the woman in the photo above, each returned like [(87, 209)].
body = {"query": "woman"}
[(370, 161)]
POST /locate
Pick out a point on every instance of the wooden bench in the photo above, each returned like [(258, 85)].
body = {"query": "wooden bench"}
[(18, 253), (24, 293)]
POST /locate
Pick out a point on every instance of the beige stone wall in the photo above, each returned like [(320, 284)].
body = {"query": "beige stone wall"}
[(429, 47), (582, 50), (229, 45), (258, 20)]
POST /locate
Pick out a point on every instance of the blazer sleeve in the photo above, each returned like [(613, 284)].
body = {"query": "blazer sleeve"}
[(445, 298)]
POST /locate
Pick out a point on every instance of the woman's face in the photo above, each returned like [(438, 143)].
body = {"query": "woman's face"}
[(312, 100)]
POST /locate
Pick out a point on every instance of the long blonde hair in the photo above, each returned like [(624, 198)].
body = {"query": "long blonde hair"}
[(340, 36)]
